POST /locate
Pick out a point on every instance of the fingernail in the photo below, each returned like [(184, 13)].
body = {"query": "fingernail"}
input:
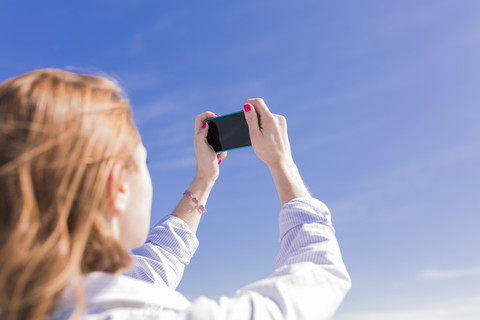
[(219, 161), (218, 155), (204, 125), (217, 115), (247, 107)]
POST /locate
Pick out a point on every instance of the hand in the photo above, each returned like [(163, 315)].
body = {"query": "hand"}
[(270, 141), (205, 177), (207, 160)]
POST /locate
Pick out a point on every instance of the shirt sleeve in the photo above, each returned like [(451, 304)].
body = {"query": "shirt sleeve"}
[(310, 279), (162, 259)]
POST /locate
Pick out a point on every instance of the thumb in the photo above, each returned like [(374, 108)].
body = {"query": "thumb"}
[(204, 129), (252, 119)]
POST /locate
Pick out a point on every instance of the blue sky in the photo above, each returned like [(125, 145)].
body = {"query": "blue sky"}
[(382, 102)]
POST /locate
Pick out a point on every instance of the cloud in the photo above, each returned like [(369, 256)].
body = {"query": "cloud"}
[(442, 274), (168, 21), (386, 191), (177, 135), (185, 162), (137, 46), (152, 110), (137, 82), (408, 19), (460, 309)]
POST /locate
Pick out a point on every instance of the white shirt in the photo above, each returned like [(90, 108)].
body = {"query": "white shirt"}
[(309, 280)]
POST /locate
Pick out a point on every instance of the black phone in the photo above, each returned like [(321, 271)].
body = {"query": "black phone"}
[(228, 132)]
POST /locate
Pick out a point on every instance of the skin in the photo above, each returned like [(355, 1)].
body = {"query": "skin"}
[(206, 174), (130, 200), (130, 192), (271, 145)]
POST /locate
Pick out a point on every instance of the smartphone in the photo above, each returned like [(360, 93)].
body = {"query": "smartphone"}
[(228, 132)]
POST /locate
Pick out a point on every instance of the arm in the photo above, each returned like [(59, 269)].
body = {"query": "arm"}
[(271, 144), (207, 173), (172, 242), (310, 279)]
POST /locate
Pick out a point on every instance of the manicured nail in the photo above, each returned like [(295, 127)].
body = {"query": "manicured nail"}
[(247, 107), (219, 161), (217, 115), (204, 125), (218, 155)]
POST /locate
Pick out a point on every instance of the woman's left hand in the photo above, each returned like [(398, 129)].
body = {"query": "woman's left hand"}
[(208, 160)]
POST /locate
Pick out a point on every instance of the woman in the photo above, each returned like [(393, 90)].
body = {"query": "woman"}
[(75, 195)]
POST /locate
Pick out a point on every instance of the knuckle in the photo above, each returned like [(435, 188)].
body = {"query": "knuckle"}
[(281, 119), (269, 117)]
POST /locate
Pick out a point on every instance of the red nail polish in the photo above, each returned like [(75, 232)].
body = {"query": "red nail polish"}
[(204, 125), (217, 114), (247, 107), (218, 155), (219, 161)]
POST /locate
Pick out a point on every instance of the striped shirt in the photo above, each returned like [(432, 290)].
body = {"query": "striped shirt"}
[(309, 280)]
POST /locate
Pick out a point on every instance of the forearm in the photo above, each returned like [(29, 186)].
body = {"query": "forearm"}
[(186, 209), (310, 278), (162, 259), (288, 181), (171, 244)]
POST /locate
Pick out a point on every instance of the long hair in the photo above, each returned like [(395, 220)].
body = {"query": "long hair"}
[(60, 134)]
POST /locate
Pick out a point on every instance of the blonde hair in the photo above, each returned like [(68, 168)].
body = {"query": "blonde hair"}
[(60, 134)]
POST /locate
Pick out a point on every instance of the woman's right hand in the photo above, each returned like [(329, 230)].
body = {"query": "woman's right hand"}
[(269, 137), (270, 143)]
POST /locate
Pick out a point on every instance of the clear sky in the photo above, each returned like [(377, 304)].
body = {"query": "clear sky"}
[(382, 100)]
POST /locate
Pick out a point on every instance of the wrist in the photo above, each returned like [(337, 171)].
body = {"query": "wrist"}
[(282, 165), (288, 181), (206, 175), (203, 183), (194, 201)]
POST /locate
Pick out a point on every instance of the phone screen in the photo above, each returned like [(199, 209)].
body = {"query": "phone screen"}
[(228, 132)]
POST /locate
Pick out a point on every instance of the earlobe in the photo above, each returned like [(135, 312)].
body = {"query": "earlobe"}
[(117, 189), (120, 202)]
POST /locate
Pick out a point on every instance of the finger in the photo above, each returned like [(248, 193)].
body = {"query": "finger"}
[(199, 120), (260, 107), (221, 156), (281, 120), (200, 139), (203, 130), (251, 117)]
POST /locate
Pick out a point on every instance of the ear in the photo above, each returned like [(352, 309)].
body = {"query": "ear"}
[(117, 189)]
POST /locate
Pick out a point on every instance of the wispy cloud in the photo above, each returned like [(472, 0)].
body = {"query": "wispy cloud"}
[(390, 187), (178, 135), (137, 45), (443, 274), (407, 19), (185, 162), (137, 82), (152, 110), (460, 309), (167, 21)]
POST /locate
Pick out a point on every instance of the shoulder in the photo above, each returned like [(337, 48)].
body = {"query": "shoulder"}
[(115, 296)]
